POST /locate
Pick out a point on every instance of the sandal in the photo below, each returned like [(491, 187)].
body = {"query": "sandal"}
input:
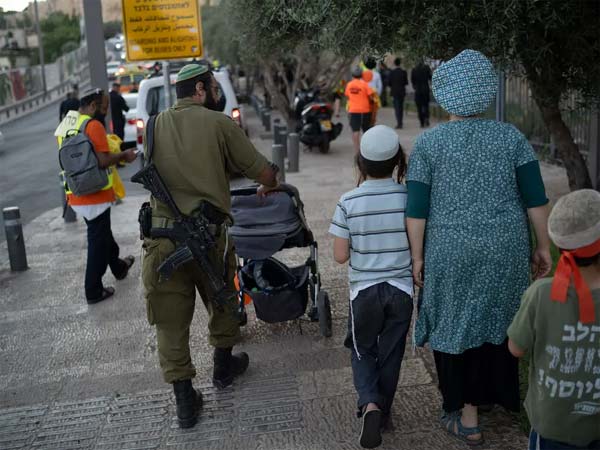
[(128, 260), (370, 434), (452, 424), (106, 293)]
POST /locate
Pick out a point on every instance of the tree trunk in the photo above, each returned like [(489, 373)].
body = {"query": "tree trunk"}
[(577, 171), (279, 99)]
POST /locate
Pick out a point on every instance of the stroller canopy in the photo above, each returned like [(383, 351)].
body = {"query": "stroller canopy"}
[(262, 225)]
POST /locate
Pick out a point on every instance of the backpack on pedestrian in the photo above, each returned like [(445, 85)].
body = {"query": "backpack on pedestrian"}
[(81, 169)]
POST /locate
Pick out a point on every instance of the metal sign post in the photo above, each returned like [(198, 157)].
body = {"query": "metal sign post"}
[(167, 84)]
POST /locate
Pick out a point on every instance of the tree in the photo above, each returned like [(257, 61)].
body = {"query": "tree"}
[(58, 29), (112, 28), (283, 37), (555, 45)]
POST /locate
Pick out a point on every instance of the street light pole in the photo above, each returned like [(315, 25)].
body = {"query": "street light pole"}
[(40, 44), (94, 35)]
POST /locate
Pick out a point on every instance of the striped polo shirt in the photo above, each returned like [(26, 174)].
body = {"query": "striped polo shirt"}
[(371, 217)]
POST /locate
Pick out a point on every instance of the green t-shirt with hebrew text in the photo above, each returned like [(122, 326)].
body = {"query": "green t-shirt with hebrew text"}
[(563, 400)]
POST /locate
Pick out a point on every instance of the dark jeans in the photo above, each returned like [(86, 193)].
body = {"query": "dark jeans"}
[(422, 102), (399, 109), (119, 128), (537, 442), (377, 327), (102, 252)]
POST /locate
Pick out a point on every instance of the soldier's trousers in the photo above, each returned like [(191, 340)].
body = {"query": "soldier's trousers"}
[(170, 306)]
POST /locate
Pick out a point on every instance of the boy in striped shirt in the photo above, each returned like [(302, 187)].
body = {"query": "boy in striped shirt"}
[(370, 233)]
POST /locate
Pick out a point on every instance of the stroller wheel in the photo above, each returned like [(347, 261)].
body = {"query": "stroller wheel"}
[(324, 311), (243, 318)]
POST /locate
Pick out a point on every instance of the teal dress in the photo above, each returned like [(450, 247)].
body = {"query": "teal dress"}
[(477, 246)]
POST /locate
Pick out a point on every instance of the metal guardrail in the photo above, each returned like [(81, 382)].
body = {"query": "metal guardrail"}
[(35, 102)]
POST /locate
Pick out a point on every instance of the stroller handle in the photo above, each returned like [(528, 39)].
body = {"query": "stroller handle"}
[(251, 190)]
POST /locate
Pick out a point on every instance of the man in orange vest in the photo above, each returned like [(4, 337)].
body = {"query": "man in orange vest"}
[(102, 251), (360, 96)]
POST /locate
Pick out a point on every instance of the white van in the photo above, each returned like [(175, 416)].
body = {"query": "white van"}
[(151, 100)]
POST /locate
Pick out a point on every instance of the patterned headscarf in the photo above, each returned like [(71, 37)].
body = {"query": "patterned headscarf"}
[(465, 85)]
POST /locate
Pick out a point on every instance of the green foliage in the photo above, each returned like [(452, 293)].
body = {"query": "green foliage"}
[(218, 34), (59, 29), (112, 28)]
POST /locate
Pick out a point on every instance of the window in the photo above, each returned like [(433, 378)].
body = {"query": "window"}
[(156, 99)]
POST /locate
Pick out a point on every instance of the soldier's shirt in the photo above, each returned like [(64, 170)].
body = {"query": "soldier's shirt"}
[(196, 150)]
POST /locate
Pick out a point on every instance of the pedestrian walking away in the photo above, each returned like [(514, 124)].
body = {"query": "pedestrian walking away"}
[(472, 182), (369, 233), (196, 149), (375, 101), (420, 77), (385, 82), (71, 103), (360, 96), (118, 105), (102, 250), (554, 321), (373, 78), (398, 81)]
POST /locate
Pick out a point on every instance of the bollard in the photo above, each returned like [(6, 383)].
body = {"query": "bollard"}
[(276, 134), (293, 152), (278, 158), (68, 213), (267, 122), (14, 239), (283, 138)]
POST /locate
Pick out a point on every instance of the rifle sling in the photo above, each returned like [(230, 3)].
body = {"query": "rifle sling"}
[(150, 139)]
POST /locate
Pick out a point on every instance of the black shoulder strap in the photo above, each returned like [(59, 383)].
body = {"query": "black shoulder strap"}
[(150, 139)]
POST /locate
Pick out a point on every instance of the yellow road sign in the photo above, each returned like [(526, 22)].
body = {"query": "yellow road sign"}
[(162, 29)]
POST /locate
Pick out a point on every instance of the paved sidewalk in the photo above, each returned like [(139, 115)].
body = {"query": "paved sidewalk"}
[(73, 376)]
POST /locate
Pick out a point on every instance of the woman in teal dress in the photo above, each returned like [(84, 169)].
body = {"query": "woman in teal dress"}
[(472, 184)]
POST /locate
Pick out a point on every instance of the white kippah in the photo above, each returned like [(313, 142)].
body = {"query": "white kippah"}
[(379, 143), (575, 220)]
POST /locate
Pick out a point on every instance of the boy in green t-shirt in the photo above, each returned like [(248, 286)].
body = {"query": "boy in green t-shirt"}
[(558, 324)]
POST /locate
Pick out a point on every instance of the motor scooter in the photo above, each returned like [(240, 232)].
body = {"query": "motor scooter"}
[(315, 127)]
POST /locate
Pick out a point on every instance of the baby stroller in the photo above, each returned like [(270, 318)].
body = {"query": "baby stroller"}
[(262, 227)]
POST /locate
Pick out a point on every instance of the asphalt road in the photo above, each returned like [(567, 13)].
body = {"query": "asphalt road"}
[(29, 165)]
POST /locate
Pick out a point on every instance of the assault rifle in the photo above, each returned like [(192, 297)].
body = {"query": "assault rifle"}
[(191, 233)]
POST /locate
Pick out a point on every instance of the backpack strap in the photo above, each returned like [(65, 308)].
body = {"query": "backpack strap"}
[(75, 131), (150, 139), (83, 126)]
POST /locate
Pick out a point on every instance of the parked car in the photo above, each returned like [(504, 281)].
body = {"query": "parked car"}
[(130, 117), (151, 100)]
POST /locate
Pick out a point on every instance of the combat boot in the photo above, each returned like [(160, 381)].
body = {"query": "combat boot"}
[(189, 403), (228, 366)]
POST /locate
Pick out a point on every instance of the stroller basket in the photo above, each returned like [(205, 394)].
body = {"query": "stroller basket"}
[(284, 300)]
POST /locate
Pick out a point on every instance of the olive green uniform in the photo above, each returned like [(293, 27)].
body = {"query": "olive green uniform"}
[(195, 151)]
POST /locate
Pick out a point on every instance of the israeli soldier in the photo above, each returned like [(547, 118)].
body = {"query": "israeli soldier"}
[(196, 149)]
